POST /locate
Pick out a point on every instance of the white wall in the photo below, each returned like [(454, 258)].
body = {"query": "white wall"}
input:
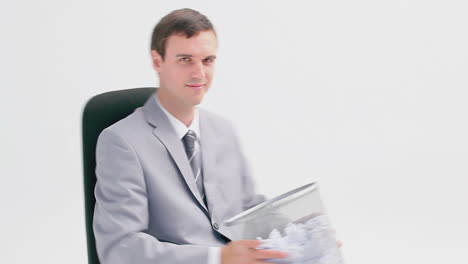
[(368, 96)]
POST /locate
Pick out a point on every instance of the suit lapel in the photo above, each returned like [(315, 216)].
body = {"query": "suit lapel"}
[(165, 133)]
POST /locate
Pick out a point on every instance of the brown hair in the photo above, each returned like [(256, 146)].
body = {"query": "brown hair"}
[(183, 21)]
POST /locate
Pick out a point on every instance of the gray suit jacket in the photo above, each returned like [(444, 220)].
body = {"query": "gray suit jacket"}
[(148, 209)]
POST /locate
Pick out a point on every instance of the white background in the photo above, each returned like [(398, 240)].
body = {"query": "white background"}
[(369, 96)]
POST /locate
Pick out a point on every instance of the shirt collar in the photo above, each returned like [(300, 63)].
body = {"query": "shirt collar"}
[(180, 128)]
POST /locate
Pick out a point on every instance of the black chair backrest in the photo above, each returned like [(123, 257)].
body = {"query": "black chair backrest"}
[(100, 112)]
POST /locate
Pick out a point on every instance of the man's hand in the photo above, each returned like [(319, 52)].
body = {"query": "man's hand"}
[(246, 252)]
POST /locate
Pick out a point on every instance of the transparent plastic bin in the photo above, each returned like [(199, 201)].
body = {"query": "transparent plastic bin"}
[(300, 222)]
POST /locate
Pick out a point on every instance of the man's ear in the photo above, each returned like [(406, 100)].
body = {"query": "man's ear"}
[(157, 60)]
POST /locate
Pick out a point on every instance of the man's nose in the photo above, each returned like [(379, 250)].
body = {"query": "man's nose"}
[(198, 71)]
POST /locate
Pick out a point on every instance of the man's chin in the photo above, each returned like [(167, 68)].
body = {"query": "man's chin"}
[(197, 99), (197, 102)]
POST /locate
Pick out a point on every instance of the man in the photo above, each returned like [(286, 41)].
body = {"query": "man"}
[(170, 173)]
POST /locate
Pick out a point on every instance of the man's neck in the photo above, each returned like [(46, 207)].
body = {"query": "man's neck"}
[(183, 113)]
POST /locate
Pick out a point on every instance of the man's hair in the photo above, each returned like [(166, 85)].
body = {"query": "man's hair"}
[(185, 21)]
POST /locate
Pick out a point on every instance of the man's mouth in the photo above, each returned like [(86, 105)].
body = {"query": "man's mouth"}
[(195, 86)]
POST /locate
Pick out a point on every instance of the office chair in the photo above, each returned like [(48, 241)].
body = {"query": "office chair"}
[(100, 112)]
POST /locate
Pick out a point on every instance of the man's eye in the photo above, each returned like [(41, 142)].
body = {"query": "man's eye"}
[(208, 60), (185, 59)]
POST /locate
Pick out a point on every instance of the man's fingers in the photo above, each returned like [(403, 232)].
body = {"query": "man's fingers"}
[(339, 243), (250, 243), (268, 254)]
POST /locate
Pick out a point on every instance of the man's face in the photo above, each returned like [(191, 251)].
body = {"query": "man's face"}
[(186, 72)]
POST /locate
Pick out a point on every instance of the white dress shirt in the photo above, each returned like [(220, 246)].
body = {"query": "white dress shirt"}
[(214, 253)]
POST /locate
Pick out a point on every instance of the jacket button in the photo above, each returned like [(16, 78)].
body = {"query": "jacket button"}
[(216, 226)]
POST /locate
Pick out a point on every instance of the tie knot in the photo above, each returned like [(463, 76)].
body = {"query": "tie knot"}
[(189, 139)]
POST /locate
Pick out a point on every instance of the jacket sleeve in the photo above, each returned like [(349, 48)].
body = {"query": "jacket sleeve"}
[(250, 196), (265, 224), (121, 214)]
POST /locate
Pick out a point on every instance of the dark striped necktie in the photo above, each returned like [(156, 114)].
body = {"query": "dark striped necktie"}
[(193, 154)]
